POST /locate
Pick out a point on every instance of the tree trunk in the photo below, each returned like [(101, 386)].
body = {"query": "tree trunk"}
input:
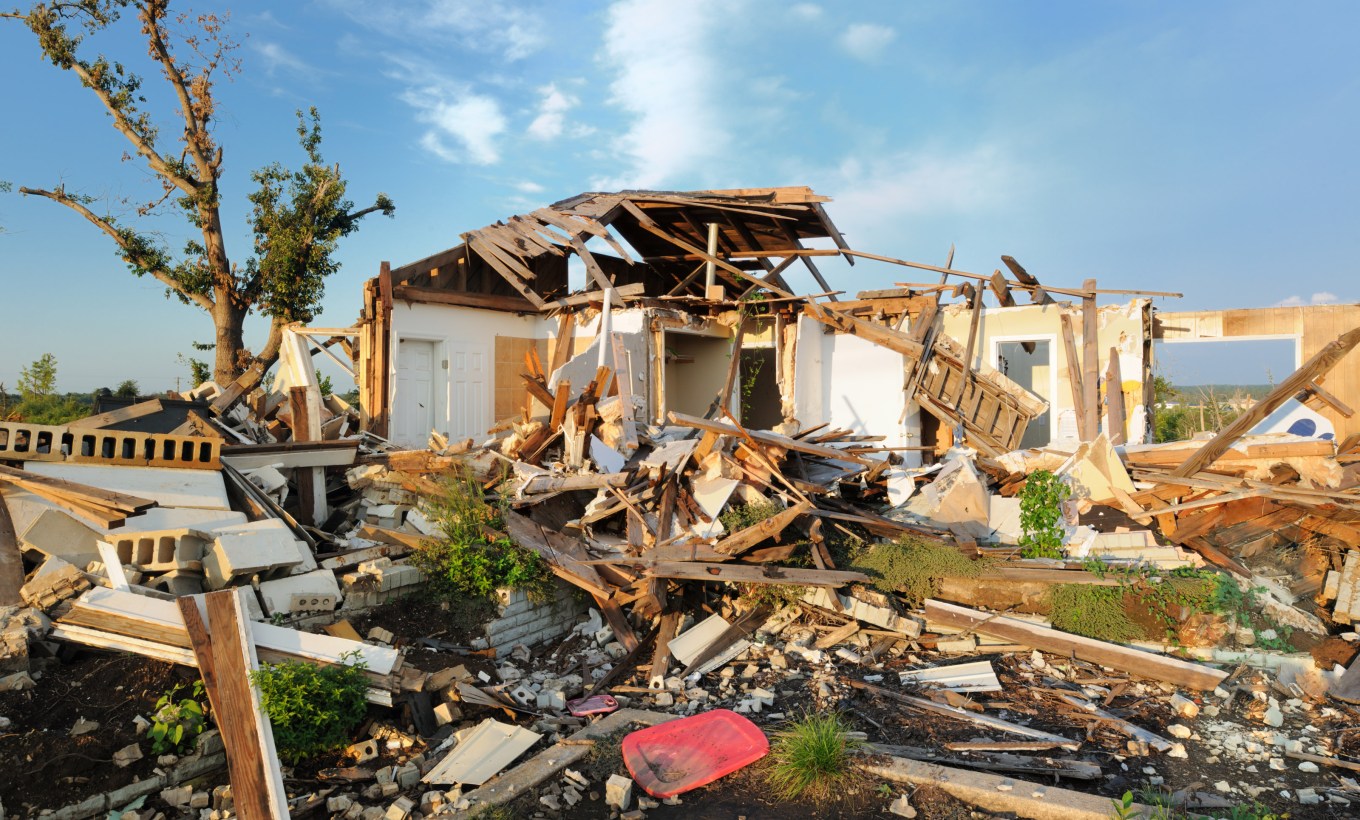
[(229, 323)]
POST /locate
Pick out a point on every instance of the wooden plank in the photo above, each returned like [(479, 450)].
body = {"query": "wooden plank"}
[(1330, 400), (1002, 290), (661, 658), (1133, 661), (1114, 400), (132, 411), (740, 573), (563, 343), (1074, 377), (311, 481), (459, 298), (559, 405), (976, 718), (624, 378), (1038, 294), (742, 540), (1316, 367), (226, 656), (1090, 362), (766, 437), (617, 621), (869, 331)]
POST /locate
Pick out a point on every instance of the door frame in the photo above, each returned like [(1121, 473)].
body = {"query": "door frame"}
[(439, 378), (1052, 340)]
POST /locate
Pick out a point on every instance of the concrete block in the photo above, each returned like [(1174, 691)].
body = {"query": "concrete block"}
[(239, 552), (315, 591), (161, 549), (54, 532), (618, 791)]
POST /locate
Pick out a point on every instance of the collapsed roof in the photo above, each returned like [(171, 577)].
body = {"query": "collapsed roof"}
[(524, 259)]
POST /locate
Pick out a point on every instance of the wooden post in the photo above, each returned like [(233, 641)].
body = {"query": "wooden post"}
[(1116, 414), (1090, 376), (1074, 377), (968, 364), (624, 379), (11, 563), (311, 481)]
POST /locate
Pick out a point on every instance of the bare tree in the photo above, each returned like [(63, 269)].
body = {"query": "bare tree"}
[(298, 216)]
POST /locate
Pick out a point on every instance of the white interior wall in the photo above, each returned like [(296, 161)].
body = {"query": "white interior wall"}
[(848, 382)]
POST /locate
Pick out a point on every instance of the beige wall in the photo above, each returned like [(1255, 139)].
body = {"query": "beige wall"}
[(1118, 326)]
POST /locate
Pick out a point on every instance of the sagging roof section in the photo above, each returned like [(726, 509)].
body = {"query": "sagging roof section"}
[(521, 263)]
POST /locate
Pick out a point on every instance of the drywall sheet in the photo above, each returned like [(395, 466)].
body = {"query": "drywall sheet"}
[(202, 489)]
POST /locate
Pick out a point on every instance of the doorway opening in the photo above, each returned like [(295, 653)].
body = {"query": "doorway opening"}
[(696, 370), (758, 389), (1029, 363)]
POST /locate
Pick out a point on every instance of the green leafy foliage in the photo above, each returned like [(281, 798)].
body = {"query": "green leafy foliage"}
[(1041, 515), (177, 723), (741, 516), (127, 389), (914, 566), (812, 758), (472, 556), (40, 378), (39, 403), (313, 708)]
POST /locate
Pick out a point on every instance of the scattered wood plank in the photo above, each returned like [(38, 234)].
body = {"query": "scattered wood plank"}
[(955, 712), (132, 411)]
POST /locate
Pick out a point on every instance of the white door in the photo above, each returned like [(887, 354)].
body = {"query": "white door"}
[(469, 394), (415, 399)]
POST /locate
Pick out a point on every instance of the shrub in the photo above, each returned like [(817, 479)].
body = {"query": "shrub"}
[(812, 757), (1041, 515), (313, 708), (741, 516), (176, 724), (914, 566), (472, 556)]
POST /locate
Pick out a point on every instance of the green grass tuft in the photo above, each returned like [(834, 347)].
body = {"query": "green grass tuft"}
[(1094, 611), (812, 758)]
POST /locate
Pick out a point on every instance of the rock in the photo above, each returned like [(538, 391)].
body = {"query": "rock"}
[(1274, 717), (400, 809), (618, 791), (1308, 797), (84, 727), (1179, 730), (127, 755), (902, 807), (1309, 767), (176, 797), (338, 804), (1185, 707)]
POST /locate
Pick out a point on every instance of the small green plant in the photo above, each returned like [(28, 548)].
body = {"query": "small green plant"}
[(812, 757), (1041, 518), (1094, 611), (741, 516), (472, 556), (914, 566), (312, 708), (176, 724)]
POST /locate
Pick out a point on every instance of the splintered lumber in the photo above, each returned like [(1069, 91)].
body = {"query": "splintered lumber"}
[(226, 657), (995, 793), (661, 658), (1152, 739), (1313, 369), (742, 540), (1133, 661), (565, 556), (766, 437), (745, 574), (546, 483), (618, 622), (1074, 376), (1114, 399), (1090, 364), (869, 331), (955, 712), (132, 411)]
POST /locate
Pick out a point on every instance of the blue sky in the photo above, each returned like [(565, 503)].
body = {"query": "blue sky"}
[(1206, 147)]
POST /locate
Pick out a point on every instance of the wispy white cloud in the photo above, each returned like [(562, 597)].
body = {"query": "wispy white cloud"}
[(276, 57), (1320, 298), (528, 186), (552, 113), (464, 126), (494, 26), (807, 11), (866, 41), (875, 197), (667, 72)]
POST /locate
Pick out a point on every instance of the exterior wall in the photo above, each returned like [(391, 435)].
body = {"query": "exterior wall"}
[(1312, 327), (446, 325), (523, 621), (1119, 326)]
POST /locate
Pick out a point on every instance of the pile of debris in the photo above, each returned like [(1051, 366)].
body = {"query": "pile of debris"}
[(716, 576)]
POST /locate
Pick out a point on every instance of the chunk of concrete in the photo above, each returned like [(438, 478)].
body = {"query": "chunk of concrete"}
[(315, 591), (239, 552), (618, 791), (54, 532)]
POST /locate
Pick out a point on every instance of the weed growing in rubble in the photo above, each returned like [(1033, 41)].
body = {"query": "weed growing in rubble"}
[(813, 758), (313, 709), (914, 566), (1094, 611), (176, 724), (1041, 519), (473, 557), (741, 516)]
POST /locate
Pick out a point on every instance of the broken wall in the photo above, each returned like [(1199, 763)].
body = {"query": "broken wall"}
[(1119, 326)]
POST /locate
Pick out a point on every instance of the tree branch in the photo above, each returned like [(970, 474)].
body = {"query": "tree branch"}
[(131, 253), (153, 13)]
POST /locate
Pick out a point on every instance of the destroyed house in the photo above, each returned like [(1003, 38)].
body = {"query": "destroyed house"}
[(677, 283)]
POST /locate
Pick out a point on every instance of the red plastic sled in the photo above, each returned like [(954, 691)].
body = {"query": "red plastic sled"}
[(673, 758)]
